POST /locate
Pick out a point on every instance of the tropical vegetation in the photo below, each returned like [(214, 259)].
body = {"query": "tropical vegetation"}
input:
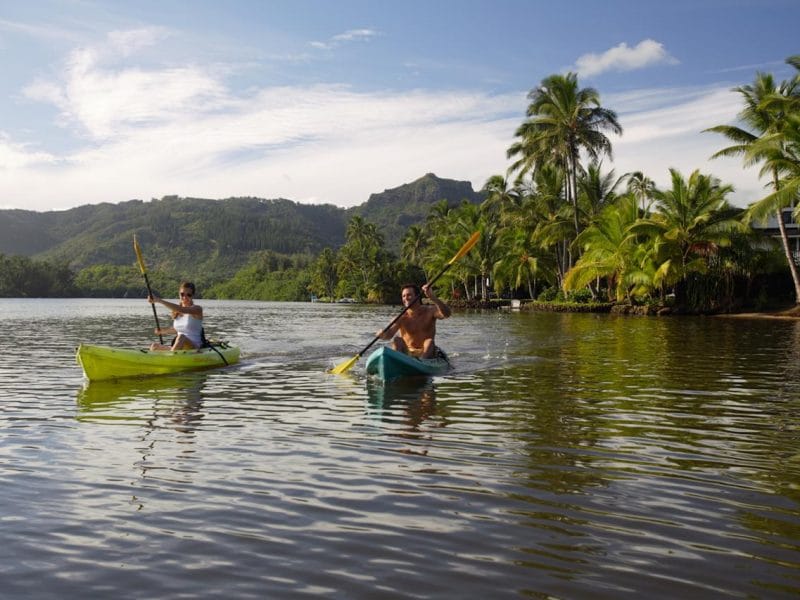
[(21, 276), (556, 227), (770, 138)]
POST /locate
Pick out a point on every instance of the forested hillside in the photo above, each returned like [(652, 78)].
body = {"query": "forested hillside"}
[(214, 236), (394, 210), (224, 244), (188, 231)]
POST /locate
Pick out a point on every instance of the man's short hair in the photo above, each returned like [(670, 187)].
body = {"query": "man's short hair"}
[(413, 286)]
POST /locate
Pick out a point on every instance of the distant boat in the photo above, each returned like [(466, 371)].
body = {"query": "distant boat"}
[(346, 301)]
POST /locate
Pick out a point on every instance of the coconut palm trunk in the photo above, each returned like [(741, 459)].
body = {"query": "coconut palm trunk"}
[(789, 257)]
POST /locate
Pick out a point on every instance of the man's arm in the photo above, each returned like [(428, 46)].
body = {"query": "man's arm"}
[(389, 333), (442, 310)]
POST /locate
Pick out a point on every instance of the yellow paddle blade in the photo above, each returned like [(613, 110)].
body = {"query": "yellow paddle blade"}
[(473, 239), (345, 366), (139, 254)]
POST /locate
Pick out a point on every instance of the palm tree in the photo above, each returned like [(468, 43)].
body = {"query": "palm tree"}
[(324, 276), (596, 191), (438, 215), (781, 155), (500, 195), (544, 211), (765, 112), (414, 244), (608, 250), (362, 259), (522, 262), (642, 187), (692, 221), (482, 258), (563, 120)]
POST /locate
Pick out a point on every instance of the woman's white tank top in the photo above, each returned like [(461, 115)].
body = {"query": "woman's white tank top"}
[(190, 327)]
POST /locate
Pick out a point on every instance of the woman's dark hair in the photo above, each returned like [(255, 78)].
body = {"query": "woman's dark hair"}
[(188, 285)]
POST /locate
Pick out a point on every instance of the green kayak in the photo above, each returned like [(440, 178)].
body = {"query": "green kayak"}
[(388, 364), (103, 362)]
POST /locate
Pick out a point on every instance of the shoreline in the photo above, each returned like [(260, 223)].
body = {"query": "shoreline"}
[(791, 313)]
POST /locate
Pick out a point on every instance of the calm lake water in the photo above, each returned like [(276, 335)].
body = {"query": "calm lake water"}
[(566, 456)]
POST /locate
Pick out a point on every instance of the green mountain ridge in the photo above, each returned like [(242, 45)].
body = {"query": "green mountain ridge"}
[(214, 237), (395, 210)]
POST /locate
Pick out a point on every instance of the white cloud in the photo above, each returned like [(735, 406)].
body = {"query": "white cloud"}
[(355, 35), (48, 33), (45, 91), (181, 130), (104, 103), (352, 35), (14, 156), (623, 58), (664, 130), (129, 41), (148, 133)]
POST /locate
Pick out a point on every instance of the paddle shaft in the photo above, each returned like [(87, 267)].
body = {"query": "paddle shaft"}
[(155, 312), (397, 318), (142, 268)]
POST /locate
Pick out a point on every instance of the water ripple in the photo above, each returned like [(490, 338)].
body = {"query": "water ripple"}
[(565, 456)]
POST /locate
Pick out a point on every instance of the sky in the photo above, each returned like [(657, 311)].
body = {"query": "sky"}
[(329, 101)]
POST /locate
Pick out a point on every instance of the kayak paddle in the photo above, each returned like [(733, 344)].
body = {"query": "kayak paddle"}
[(147, 282), (348, 364)]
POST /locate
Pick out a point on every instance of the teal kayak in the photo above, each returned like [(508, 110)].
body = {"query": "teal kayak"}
[(388, 364)]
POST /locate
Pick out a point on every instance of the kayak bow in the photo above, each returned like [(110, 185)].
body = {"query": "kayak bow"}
[(103, 362)]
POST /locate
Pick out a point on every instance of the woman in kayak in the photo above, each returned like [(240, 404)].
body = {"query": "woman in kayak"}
[(417, 327), (187, 321)]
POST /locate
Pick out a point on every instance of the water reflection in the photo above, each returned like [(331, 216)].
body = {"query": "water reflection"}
[(406, 404), (161, 406), (568, 456), (171, 401)]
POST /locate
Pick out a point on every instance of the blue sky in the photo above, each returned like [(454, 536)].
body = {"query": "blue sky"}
[(329, 101)]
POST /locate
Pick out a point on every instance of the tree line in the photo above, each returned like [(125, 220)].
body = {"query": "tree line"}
[(22, 277), (557, 226)]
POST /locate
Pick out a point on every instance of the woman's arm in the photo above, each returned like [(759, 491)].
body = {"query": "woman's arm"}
[(194, 309)]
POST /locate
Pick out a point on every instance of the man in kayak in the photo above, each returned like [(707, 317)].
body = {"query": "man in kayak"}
[(187, 321), (416, 329)]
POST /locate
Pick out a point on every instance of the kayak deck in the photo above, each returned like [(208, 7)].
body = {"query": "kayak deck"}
[(387, 364), (104, 362)]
